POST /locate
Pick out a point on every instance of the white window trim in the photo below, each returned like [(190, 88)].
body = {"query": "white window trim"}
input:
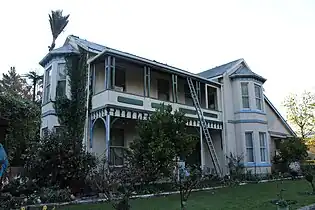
[(46, 98), (262, 97), (266, 147), (248, 96), (253, 147)]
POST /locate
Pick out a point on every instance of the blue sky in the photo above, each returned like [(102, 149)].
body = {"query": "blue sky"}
[(275, 37)]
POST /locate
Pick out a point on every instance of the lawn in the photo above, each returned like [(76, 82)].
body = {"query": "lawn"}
[(251, 196)]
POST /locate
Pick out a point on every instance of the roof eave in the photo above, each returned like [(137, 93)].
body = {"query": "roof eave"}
[(153, 63), (280, 116), (50, 55), (259, 78)]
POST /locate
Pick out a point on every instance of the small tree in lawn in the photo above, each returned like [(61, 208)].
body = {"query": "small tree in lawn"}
[(186, 179), (117, 184), (162, 139)]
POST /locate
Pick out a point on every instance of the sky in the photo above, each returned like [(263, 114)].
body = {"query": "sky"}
[(275, 37)]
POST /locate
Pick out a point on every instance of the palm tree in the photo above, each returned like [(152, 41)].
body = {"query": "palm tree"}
[(36, 80), (57, 23)]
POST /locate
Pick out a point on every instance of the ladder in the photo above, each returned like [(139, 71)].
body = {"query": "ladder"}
[(204, 127)]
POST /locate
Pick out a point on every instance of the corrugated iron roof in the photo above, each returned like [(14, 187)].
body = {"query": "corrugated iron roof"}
[(219, 70)]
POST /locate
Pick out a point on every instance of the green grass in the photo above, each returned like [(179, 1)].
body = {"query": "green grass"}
[(251, 196)]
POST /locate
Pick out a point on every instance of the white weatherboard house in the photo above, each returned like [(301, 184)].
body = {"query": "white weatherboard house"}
[(125, 87)]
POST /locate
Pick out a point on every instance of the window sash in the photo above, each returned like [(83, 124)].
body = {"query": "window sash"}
[(263, 147), (258, 96), (249, 147), (245, 95), (62, 71), (47, 93)]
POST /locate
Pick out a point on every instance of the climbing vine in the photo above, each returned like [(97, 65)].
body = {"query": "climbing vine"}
[(71, 111)]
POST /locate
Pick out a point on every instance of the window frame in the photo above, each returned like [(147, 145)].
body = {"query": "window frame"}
[(59, 79), (111, 147), (257, 97), (264, 147), (45, 131), (248, 147), (47, 85), (245, 96)]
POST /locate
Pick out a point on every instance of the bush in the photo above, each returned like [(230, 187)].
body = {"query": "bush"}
[(23, 125), (57, 161)]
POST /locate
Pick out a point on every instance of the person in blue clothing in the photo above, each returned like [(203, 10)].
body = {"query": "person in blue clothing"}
[(3, 161)]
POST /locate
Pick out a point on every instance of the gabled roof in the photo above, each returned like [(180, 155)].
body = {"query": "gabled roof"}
[(219, 70), (280, 116), (65, 49), (236, 69)]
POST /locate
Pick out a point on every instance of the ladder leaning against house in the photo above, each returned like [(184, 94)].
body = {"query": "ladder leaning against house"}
[(204, 127)]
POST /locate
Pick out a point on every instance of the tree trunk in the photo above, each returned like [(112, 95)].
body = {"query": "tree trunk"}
[(34, 90)]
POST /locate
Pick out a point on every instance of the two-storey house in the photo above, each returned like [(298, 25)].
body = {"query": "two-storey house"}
[(126, 87)]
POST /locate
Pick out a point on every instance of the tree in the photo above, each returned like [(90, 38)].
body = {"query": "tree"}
[(291, 150), (300, 111), (162, 139), (14, 84), (117, 185), (37, 80), (23, 125), (58, 22)]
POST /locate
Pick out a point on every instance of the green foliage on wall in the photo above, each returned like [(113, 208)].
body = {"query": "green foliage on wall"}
[(23, 125), (71, 111)]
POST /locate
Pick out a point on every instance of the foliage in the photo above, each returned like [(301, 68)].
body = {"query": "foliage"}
[(291, 150), (14, 84), (186, 179), (23, 125), (300, 111), (117, 184), (58, 22), (162, 138), (236, 168), (22, 191), (53, 161), (71, 111), (37, 82)]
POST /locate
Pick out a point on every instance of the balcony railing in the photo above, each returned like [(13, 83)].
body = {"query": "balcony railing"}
[(122, 99)]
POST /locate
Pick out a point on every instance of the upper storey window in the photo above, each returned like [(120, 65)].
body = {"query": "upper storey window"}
[(61, 84), (258, 97), (47, 85), (245, 95)]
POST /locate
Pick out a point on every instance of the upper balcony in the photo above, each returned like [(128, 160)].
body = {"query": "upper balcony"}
[(122, 82)]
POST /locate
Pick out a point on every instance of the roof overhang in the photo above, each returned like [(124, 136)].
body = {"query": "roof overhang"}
[(257, 77), (280, 116), (137, 59)]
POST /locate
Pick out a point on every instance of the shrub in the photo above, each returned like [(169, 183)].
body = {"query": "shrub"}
[(56, 160)]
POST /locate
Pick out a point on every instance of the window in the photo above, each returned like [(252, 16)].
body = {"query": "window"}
[(249, 147), (61, 83), (120, 79), (212, 98), (45, 131), (163, 87), (188, 98), (57, 129), (117, 143), (245, 95), (258, 97), (263, 147), (47, 85)]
